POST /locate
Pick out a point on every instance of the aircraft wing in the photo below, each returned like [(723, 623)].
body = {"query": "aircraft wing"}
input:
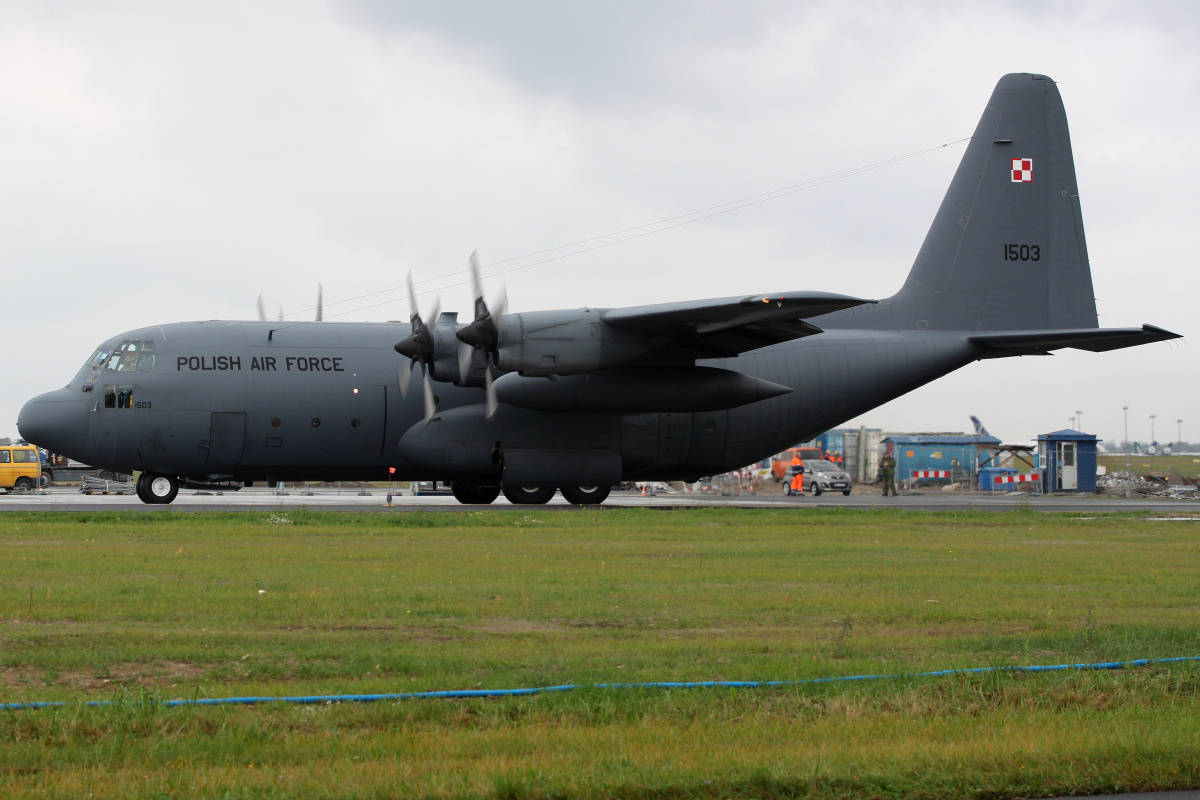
[(732, 325), (1097, 340)]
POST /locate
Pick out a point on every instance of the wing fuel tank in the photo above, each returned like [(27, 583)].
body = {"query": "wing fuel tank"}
[(678, 389)]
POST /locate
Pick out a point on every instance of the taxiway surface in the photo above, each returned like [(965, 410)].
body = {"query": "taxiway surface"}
[(68, 499)]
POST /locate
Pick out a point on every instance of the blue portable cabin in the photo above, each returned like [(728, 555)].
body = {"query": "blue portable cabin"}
[(1067, 460), (937, 452), (832, 441)]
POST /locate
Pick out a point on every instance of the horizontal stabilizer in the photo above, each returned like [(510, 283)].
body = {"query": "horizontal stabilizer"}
[(1097, 340)]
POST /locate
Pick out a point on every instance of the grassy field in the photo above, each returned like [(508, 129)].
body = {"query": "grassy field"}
[(1142, 463), (141, 607)]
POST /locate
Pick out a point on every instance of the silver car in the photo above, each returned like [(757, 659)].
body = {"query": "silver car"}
[(825, 476)]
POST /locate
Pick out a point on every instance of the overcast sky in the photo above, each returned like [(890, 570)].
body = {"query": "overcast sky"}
[(168, 161)]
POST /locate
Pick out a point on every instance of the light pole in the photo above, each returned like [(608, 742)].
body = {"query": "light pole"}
[(1179, 435), (1072, 423), (1128, 456), (1079, 417), (1152, 418)]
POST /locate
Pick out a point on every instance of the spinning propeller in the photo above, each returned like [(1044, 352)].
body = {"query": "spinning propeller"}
[(436, 355), (262, 309), (482, 334), (420, 346)]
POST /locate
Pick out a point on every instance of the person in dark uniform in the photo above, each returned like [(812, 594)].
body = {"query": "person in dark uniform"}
[(887, 470)]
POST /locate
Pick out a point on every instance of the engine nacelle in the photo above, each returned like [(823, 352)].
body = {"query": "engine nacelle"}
[(566, 342)]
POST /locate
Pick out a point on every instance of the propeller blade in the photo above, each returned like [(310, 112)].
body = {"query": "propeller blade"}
[(414, 313), (430, 408), (262, 310), (320, 305), (481, 309), (492, 403), (404, 378), (434, 313), (466, 355), (500, 307)]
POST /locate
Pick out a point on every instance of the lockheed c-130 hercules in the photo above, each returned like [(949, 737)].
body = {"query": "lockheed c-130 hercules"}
[(578, 400)]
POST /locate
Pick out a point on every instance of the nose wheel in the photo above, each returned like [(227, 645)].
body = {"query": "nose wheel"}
[(154, 489)]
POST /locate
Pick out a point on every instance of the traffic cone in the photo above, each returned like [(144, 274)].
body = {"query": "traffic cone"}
[(643, 490)]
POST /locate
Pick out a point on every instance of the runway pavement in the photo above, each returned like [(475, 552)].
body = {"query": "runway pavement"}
[(261, 499)]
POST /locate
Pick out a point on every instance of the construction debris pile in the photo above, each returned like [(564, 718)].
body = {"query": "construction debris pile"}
[(1153, 484)]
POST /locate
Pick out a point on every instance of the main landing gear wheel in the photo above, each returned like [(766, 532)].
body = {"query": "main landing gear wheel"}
[(528, 495), (585, 495), (157, 489), (473, 494)]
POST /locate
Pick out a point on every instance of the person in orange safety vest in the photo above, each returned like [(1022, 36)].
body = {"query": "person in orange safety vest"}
[(798, 478)]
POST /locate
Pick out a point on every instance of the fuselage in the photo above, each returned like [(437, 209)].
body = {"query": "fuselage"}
[(263, 401)]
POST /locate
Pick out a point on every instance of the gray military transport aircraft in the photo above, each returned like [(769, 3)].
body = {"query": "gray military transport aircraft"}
[(585, 398)]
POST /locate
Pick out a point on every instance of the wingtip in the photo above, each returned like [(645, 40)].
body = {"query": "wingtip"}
[(1161, 333)]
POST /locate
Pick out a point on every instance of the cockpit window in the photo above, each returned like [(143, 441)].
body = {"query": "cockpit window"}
[(146, 357), (99, 357), (132, 355)]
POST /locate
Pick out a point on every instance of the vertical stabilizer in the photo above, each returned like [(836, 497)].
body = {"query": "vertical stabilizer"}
[(1006, 250)]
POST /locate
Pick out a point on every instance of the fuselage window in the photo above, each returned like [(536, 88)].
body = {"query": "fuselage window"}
[(124, 397), (110, 396)]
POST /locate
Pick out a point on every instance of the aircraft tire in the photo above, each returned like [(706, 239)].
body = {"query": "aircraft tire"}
[(159, 489), (585, 495), (528, 495), (473, 494)]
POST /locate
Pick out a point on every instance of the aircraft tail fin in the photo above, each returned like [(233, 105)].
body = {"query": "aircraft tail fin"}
[(1006, 250)]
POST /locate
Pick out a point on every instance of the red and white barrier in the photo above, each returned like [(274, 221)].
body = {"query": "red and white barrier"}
[(1029, 477), (931, 473)]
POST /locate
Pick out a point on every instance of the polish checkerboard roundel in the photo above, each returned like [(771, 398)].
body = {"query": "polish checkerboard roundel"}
[(1022, 170)]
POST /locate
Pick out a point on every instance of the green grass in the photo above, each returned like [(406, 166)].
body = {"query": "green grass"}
[(139, 607), (1143, 463)]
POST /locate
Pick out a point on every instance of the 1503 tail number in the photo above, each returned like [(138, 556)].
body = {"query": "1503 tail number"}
[(1022, 252)]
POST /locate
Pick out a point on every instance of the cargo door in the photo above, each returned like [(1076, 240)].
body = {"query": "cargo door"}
[(227, 438)]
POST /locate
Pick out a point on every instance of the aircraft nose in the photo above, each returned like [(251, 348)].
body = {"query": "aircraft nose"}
[(57, 421)]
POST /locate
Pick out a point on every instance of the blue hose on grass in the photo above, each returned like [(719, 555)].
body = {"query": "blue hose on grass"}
[(453, 694)]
